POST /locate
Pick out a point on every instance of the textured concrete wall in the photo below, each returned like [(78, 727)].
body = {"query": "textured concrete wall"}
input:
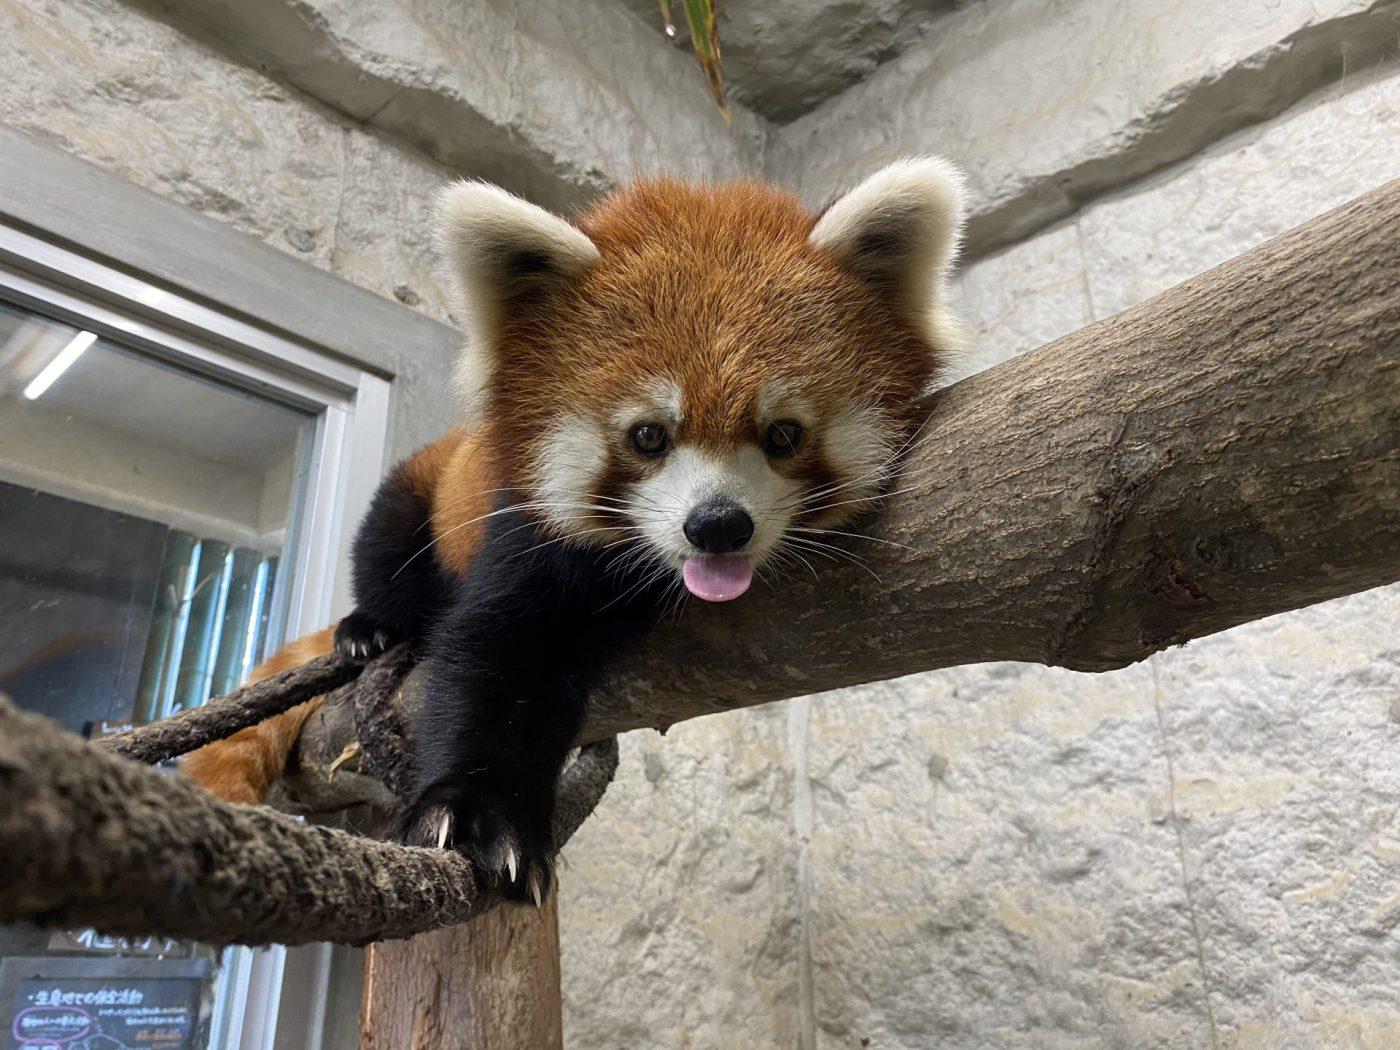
[(1200, 851), (325, 127), (552, 99), (118, 86), (784, 57), (1050, 104)]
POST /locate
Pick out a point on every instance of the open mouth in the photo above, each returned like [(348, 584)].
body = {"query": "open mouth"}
[(717, 577)]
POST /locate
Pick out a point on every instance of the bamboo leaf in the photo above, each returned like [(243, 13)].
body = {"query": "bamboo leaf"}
[(701, 17)]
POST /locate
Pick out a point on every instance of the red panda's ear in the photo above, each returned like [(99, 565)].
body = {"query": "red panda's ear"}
[(899, 230), (496, 250)]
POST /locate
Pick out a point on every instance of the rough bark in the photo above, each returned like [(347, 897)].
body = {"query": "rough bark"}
[(90, 839)]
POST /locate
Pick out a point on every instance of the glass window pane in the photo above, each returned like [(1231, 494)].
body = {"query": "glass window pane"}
[(144, 511)]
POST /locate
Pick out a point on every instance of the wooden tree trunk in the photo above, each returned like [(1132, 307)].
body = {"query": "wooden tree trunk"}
[(489, 984)]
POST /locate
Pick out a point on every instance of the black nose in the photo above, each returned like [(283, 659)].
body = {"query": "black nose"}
[(718, 528)]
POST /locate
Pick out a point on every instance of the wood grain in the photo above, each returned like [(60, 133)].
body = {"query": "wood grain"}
[(490, 984)]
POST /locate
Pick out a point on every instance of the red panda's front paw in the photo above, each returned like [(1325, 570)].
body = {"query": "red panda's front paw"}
[(357, 637), (510, 851)]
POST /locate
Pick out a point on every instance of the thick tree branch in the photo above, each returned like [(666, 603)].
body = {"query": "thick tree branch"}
[(1227, 450), (93, 839)]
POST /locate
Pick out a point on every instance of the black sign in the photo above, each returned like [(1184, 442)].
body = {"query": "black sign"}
[(104, 1004)]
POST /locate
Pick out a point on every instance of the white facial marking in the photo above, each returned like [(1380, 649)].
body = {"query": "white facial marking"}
[(860, 454), (660, 403), (777, 400), (568, 466), (665, 395), (855, 444), (687, 478)]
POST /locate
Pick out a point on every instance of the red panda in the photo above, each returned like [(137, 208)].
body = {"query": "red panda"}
[(681, 390)]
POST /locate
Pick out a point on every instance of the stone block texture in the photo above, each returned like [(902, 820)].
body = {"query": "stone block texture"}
[(784, 57), (1199, 851), (553, 99), (681, 906), (1050, 104), (121, 87)]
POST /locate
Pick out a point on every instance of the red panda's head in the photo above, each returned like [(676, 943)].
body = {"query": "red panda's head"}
[(710, 374)]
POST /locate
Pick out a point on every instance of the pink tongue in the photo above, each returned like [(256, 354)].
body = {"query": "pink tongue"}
[(717, 577)]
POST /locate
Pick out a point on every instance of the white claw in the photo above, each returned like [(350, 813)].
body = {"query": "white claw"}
[(444, 826), (512, 862), (535, 890)]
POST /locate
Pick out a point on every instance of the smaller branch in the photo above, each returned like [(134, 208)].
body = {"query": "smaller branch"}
[(91, 839), (380, 725), (581, 787), (245, 706)]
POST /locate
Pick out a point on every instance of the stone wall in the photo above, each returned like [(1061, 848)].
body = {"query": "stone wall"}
[(118, 85), (1198, 851), (1050, 105)]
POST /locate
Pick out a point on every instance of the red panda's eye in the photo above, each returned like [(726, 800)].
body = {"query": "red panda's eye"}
[(783, 438), (649, 439)]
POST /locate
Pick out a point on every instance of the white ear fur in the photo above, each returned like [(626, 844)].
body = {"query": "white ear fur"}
[(494, 248), (900, 230)]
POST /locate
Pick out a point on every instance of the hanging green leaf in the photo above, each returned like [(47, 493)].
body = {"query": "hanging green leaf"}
[(700, 16)]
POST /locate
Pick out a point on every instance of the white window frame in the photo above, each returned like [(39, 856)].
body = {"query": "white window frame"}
[(350, 404)]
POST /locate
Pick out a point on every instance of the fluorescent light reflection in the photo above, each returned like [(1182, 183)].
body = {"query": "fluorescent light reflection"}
[(59, 365)]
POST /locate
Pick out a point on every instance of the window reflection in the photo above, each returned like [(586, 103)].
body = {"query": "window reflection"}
[(143, 514)]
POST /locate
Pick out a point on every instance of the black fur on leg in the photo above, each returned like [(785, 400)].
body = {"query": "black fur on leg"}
[(400, 588), (501, 828), (507, 672)]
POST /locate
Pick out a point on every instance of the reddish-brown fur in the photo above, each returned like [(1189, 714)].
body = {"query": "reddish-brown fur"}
[(242, 767), (715, 286)]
